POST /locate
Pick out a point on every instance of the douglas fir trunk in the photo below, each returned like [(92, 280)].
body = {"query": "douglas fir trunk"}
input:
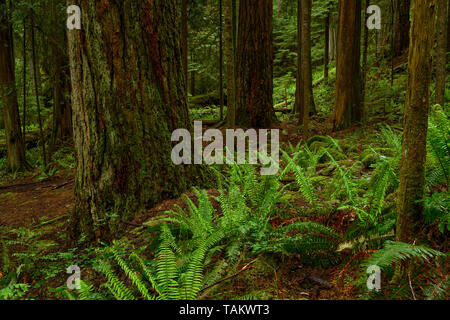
[(348, 106), (255, 64), (128, 95)]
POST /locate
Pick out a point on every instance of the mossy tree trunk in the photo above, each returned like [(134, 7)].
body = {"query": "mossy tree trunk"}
[(412, 175), (348, 107), (128, 96), (57, 62), (441, 51), (298, 107), (184, 37), (304, 95), (8, 96), (254, 64), (306, 69)]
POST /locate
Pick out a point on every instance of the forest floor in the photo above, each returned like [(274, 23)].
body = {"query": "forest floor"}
[(43, 205)]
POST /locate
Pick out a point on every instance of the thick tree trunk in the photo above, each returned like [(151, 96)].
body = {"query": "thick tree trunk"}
[(8, 98), (348, 107), (441, 52), (128, 96), (255, 64), (230, 54), (402, 26), (412, 175)]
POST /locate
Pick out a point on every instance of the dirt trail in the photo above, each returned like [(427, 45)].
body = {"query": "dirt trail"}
[(25, 202)]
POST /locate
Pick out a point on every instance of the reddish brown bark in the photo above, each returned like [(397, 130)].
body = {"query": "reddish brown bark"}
[(255, 64)]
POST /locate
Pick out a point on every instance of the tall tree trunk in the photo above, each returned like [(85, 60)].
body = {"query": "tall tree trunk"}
[(364, 64), (306, 58), (332, 37), (327, 46), (412, 174), (62, 127), (128, 96), (255, 64), (441, 51), (221, 99), (402, 26), (8, 98), (24, 50), (36, 92), (348, 107), (230, 54), (306, 69), (184, 38), (299, 87)]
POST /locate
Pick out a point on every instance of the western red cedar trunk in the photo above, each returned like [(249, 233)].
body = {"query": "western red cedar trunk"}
[(441, 52), (348, 106), (412, 174), (299, 87), (128, 96), (230, 65), (254, 65), (8, 96), (184, 37), (402, 26)]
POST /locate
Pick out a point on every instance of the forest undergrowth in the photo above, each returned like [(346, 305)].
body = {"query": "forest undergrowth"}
[(310, 232)]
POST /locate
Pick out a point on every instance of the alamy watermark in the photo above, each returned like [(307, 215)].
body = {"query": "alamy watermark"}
[(190, 149), (374, 279), (74, 281)]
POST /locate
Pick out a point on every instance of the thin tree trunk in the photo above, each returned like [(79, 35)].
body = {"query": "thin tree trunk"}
[(123, 120), (255, 64), (8, 97), (24, 130), (364, 64), (441, 52), (308, 97), (230, 54), (412, 173), (348, 107), (36, 92), (299, 106), (327, 47)]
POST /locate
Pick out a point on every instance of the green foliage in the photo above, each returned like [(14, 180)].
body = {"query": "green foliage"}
[(176, 274), (439, 144), (393, 252)]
